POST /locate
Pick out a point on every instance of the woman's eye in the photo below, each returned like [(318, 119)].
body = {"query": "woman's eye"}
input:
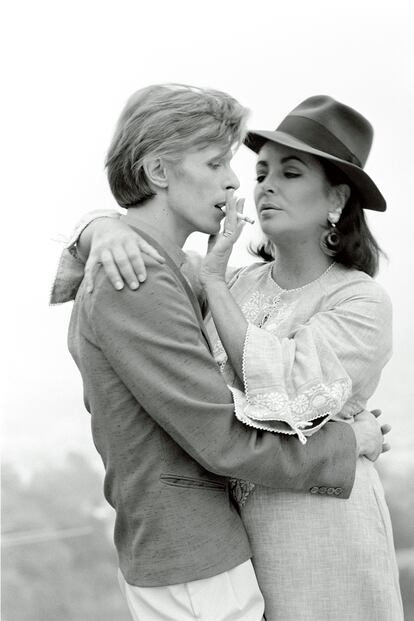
[(215, 165), (260, 178), (289, 174)]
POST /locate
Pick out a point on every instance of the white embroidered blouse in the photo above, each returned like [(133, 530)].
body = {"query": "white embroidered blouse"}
[(310, 354)]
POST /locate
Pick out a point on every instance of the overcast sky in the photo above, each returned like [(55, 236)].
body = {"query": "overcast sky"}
[(69, 69)]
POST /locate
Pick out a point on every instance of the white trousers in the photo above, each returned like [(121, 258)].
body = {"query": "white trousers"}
[(231, 596)]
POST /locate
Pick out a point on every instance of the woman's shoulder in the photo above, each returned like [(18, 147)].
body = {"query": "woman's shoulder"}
[(249, 273), (346, 283), (256, 269)]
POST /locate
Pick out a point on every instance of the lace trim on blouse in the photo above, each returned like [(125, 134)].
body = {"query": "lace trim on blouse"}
[(275, 411)]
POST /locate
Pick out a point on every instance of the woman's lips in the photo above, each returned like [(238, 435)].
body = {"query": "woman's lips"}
[(269, 207)]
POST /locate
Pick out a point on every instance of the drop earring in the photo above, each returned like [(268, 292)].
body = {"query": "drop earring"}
[(331, 239)]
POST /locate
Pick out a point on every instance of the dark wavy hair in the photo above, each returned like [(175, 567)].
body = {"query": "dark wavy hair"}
[(357, 246)]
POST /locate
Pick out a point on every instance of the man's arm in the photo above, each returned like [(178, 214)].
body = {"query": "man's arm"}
[(152, 340)]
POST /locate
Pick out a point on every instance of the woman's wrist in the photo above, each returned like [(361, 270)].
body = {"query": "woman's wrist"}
[(86, 238)]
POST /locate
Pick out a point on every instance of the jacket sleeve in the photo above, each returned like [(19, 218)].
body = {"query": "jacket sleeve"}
[(152, 340), (326, 367)]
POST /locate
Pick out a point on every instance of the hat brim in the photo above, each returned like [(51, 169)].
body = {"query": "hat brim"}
[(364, 185)]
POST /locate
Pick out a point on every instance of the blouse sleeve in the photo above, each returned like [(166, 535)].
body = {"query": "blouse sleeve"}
[(296, 384), (70, 270)]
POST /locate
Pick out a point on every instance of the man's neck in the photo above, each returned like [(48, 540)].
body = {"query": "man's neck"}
[(156, 214)]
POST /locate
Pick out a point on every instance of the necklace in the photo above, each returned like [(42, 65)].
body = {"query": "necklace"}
[(328, 269), (276, 300)]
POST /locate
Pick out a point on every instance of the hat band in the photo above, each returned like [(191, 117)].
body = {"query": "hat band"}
[(317, 136)]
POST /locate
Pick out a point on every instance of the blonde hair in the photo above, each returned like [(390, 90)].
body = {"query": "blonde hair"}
[(165, 120)]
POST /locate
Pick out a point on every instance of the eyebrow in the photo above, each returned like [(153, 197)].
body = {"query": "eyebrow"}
[(283, 161), (293, 157), (222, 154)]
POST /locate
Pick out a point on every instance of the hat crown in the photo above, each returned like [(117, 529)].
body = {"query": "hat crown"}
[(332, 131), (345, 125)]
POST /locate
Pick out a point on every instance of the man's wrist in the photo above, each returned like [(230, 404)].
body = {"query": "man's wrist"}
[(214, 283)]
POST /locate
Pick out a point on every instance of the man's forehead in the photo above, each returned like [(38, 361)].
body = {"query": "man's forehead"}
[(217, 149)]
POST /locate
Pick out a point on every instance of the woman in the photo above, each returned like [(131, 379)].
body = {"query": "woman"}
[(296, 338), (289, 334)]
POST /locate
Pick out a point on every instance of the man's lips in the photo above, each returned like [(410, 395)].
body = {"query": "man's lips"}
[(219, 207), (222, 209)]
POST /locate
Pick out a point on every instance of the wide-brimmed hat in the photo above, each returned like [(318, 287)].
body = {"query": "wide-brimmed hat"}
[(327, 128)]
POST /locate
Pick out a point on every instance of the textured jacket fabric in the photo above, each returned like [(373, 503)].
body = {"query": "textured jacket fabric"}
[(163, 421)]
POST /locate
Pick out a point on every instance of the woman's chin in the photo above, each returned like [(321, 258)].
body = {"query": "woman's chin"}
[(270, 229)]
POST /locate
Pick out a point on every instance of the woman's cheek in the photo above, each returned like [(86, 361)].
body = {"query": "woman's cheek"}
[(256, 195)]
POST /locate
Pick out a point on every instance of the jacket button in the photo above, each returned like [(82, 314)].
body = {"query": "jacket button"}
[(322, 489), (338, 491), (330, 491), (314, 490)]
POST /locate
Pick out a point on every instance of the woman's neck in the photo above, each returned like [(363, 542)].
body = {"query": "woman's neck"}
[(297, 265)]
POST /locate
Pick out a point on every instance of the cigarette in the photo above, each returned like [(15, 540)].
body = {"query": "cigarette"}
[(245, 218), (240, 216)]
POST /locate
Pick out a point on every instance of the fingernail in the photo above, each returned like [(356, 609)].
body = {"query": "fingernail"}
[(141, 277), (134, 284), (119, 285), (89, 290)]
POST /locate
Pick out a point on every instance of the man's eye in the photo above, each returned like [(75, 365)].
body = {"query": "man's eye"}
[(215, 165), (289, 174), (260, 178)]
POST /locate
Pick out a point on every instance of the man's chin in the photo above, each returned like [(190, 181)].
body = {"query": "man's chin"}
[(212, 229)]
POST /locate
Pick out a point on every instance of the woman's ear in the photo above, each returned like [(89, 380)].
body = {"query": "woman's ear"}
[(156, 172), (340, 194)]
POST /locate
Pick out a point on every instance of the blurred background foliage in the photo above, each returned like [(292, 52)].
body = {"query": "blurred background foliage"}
[(58, 560)]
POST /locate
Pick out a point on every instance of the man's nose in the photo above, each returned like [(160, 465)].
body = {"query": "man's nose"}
[(233, 182)]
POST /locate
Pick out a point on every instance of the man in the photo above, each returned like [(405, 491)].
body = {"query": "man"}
[(162, 417)]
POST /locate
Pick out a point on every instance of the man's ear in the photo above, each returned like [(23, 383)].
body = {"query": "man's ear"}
[(156, 172)]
